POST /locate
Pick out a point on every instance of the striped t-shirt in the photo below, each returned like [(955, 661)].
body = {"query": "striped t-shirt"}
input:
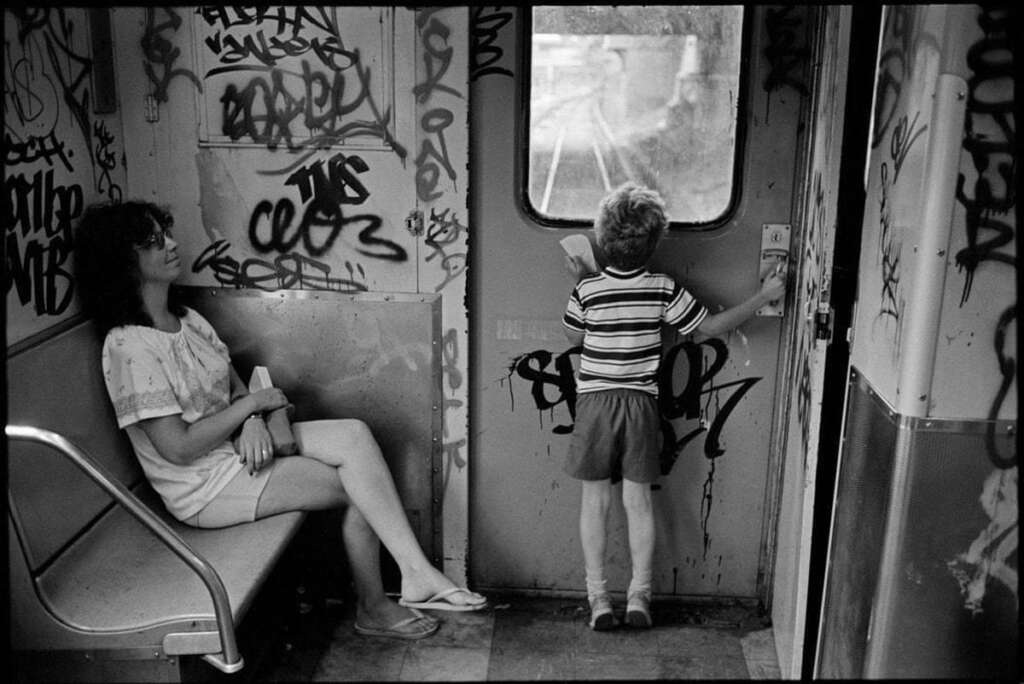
[(620, 315)]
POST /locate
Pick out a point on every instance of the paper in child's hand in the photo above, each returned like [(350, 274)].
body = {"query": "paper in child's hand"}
[(579, 246)]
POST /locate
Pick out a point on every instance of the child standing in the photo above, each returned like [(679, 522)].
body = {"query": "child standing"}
[(617, 315)]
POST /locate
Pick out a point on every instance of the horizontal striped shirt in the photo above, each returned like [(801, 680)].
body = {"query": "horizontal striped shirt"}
[(620, 314)]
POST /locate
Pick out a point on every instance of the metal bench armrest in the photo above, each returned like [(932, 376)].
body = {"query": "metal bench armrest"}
[(231, 660)]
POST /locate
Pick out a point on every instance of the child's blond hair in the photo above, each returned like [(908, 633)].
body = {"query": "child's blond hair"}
[(630, 221)]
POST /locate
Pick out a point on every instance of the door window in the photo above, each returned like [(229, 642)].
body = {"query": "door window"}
[(642, 93)]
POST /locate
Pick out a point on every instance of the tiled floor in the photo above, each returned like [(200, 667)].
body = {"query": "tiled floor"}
[(530, 639)]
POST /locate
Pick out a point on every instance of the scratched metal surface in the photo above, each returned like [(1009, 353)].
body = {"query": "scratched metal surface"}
[(375, 357)]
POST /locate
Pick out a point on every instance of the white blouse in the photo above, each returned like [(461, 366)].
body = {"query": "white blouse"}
[(150, 373)]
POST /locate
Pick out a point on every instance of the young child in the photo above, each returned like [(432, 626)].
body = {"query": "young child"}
[(617, 315)]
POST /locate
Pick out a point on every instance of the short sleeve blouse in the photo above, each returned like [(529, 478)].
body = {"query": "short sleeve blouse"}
[(150, 373)]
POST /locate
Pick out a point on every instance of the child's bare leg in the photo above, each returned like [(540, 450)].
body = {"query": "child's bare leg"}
[(636, 500), (596, 501), (594, 506)]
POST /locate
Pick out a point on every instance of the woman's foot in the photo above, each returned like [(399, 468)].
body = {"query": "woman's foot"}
[(602, 618), (386, 618), (431, 590)]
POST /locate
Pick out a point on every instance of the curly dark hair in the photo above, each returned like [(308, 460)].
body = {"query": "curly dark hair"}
[(630, 221), (107, 265)]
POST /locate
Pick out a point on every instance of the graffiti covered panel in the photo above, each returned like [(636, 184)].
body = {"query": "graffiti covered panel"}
[(907, 68), (59, 155), (290, 76), (975, 357)]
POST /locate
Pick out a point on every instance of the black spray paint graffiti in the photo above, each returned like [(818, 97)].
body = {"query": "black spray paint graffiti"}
[(786, 52), (811, 273), (485, 55), (687, 404), (437, 57), (991, 147), (286, 271), (889, 249), (533, 367), (160, 54), (62, 72), (445, 230), (323, 221), (990, 139), (309, 108), (268, 51), (1008, 369), (46, 85), (450, 367), (903, 138), (694, 402), (37, 269), (903, 31)]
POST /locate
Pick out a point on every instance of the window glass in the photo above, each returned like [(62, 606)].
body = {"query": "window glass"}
[(641, 93)]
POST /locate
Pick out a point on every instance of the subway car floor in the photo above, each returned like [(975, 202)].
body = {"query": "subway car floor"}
[(519, 638)]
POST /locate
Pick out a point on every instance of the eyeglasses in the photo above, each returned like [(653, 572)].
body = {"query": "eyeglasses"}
[(156, 239)]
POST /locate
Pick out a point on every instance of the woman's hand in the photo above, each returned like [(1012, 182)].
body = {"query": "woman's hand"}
[(254, 445), (267, 400)]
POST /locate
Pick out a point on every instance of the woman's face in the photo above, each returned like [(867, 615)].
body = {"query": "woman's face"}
[(158, 257)]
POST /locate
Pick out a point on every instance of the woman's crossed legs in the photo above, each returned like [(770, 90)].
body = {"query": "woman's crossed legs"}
[(342, 465)]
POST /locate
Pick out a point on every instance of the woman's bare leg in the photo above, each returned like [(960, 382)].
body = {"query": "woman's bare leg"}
[(307, 484), (349, 446)]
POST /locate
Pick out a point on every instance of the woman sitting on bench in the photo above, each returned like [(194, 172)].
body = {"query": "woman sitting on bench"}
[(199, 435)]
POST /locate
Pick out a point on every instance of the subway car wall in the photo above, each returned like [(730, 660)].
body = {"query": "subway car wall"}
[(844, 464)]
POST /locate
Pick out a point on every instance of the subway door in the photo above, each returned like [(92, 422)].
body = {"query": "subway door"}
[(716, 501), (318, 148)]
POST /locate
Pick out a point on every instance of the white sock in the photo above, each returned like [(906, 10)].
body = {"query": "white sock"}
[(640, 582), (596, 583)]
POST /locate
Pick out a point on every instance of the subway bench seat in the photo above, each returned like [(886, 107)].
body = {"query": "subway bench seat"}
[(105, 584)]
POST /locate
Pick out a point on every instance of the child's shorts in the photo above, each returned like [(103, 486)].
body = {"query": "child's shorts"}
[(617, 434)]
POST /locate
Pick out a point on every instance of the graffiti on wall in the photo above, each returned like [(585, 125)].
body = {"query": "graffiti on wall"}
[(486, 57), (436, 96), (57, 156), (903, 34), (284, 76), (446, 233), (160, 54), (325, 192), (989, 203), (989, 140), (890, 246), (552, 382)]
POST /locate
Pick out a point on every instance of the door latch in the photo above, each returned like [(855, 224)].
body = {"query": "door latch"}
[(774, 256), (824, 323)]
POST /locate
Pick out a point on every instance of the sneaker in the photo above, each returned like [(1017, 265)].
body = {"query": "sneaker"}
[(601, 616), (638, 610)]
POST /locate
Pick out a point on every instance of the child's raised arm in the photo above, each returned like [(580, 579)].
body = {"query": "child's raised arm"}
[(774, 287)]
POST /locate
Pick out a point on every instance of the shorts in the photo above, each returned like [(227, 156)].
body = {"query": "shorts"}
[(617, 434), (237, 502)]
